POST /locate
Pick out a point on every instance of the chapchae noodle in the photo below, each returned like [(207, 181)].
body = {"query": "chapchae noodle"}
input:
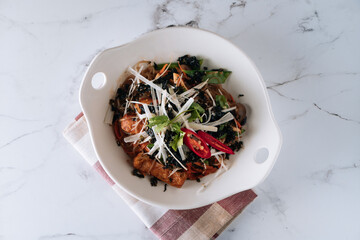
[(176, 121)]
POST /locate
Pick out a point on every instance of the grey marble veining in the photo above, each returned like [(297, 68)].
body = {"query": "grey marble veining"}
[(307, 51)]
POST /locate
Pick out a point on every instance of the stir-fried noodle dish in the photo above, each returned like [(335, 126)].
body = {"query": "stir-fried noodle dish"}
[(176, 121)]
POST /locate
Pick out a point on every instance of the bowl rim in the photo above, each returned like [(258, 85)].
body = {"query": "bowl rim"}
[(268, 106)]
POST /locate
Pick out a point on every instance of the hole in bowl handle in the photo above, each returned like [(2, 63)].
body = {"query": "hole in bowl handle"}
[(98, 80), (93, 88), (261, 155)]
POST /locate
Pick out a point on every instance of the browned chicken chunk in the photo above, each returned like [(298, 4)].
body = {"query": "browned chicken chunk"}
[(131, 124), (146, 165)]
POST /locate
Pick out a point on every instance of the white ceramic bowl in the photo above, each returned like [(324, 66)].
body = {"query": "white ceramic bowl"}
[(163, 46)]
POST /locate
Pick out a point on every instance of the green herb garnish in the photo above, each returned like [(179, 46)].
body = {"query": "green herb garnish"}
[(221, 100), (177, 141), (159, 122), (175, 127), (196, 112)]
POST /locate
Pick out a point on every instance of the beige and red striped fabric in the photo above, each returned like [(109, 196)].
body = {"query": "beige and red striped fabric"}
[(200, 223)]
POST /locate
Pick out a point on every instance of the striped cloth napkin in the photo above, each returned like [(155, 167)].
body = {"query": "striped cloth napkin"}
[(200, 223)]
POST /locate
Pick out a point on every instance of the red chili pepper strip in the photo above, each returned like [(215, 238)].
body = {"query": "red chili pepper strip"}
[(196, 143), (215, 143)]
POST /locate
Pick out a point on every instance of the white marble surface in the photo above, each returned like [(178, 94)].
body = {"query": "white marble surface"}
[(307, 51)]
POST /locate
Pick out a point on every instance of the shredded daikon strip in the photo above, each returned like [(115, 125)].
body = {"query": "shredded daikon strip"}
[(153, 149), (162, 106), (135, 82), (226, 118), (148, 138), (186, 106), (198, 126), (228, 109), (174, 98), (162, 150), (135, 137), (160, 142), (135, 125), (158, 95), (212, 99), (175, 157), (150, 83), (192, 90), (204, 185), (217, 174), (141, 116), (147, 111), (142, 78), (182, 154), (132, 86), (221, 161), (153, 96), (194, 96), (109, 116), (186, 116), (174, 171), (209, 113), (182, 118), (126, 107), (217, 153), (143, 127)]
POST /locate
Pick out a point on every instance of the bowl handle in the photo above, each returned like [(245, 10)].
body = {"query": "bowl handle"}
[(266, 155), (95, 87)]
